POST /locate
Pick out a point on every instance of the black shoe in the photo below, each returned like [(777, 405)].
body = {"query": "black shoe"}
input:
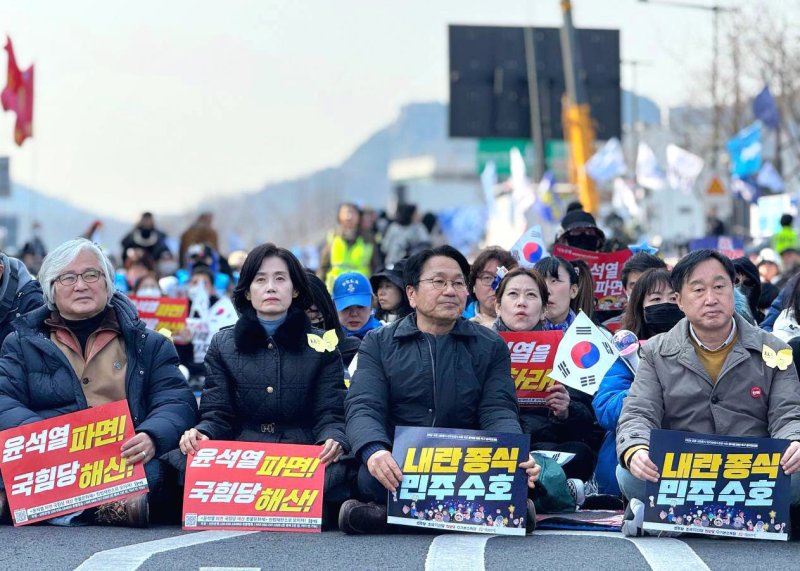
[(357, 518), (530, 520), (603, 502)]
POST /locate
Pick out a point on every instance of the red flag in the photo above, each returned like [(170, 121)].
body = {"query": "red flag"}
[(18, 96)]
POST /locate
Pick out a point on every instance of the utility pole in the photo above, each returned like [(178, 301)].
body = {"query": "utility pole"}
[(533, 103)]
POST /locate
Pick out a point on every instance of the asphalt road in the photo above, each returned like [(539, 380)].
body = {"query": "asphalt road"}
[(121, 549)]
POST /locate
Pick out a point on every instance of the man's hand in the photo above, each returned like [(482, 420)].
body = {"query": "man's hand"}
[(190, 439), (642, 467), (790, 461), (558, 401), (532, 469), (140, 448), (384, 469), (330, 452)]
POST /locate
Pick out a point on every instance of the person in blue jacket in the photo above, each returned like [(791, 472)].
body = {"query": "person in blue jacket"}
[(652, 309)]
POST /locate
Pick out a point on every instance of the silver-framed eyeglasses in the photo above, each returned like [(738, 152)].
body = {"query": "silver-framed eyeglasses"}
[(441, 283), (89, 276)]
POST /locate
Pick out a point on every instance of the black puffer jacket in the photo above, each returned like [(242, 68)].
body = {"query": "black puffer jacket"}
[(272, 389), (408, 378), (37, 382)]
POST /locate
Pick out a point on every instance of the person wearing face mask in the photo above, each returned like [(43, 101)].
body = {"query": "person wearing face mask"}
[(652, 309), (580, 230), (147, 286), (266, 382), (352, 296), (147, 237), (567, 419)]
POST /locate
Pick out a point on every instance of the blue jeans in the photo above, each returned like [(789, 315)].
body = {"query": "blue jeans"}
[(633, 487)]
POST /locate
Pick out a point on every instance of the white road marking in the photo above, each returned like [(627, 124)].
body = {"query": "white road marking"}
[(466, 552), (661, 553), (462, 552), (130, 557)]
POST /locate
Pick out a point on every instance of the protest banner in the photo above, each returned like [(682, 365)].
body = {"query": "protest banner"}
[(730, 247), (584, 356), (532, 356), (718, 485), (253, 485), (162, 312), (606, 268), (69, 463), (204, 323), (460, 480)]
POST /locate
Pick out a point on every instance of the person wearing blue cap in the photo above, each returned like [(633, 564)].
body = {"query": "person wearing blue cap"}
[(352, 296)]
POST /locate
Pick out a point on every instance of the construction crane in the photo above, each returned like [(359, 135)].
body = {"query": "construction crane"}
[(578, 129)]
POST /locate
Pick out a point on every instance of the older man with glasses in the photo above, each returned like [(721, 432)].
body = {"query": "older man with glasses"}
[(87, 347), (431, 368)]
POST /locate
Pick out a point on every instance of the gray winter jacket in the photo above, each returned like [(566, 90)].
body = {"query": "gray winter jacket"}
[(673, 391)]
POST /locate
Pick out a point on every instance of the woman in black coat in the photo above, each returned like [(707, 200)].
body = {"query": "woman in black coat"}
[(264, 380)]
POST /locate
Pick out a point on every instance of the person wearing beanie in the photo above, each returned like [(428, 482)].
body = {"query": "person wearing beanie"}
[(579, 230), (352, 296)]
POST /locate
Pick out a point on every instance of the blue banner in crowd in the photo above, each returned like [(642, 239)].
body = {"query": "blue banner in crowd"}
[(745, 150), (765, 109), (460, 480), (729, 246), (718, 485)]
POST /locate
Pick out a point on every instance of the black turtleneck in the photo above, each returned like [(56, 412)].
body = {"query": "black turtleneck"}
[(82, 328)]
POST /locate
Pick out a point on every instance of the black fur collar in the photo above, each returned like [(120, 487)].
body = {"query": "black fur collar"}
[(250, 336)]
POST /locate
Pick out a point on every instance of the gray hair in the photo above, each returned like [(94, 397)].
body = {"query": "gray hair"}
[(55, 262)]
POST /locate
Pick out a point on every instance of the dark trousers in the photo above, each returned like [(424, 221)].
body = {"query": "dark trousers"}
[(580, 467), (368, 488)]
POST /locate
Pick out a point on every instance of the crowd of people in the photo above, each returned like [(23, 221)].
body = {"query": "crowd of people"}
[(408, 336)]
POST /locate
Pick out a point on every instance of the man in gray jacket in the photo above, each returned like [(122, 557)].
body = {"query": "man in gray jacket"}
[(707, 375)]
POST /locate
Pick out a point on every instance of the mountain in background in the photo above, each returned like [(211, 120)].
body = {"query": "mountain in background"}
[(60, 220), (298, 211)]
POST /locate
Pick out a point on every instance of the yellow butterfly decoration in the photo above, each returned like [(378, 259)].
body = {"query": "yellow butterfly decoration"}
[(782, 359), (327, 342)]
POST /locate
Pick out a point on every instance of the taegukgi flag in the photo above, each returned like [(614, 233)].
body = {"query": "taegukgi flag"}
[(584, 356)]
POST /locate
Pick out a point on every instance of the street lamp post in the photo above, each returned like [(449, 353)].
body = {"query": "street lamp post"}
[(715, 9)]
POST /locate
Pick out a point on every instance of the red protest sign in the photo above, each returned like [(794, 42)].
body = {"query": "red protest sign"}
[(253, 485), (162, 312), (532, 357), (68, 463), (606, 268)]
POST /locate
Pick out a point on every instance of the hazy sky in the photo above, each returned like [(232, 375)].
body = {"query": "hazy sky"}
[(155, 104)]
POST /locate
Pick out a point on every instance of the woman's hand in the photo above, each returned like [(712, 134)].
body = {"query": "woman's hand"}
[(330, 452), (190, 440), (558, 401)]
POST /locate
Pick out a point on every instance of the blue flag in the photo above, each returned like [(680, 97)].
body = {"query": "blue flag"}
[(745, 151), (765, 109)]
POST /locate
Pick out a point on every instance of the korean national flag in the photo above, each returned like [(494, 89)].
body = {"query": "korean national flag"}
[(584, 356)]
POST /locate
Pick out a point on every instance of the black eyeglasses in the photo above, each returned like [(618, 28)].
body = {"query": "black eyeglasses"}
[(89, 276), (440, 283)]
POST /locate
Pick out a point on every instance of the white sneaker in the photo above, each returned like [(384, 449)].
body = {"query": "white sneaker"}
[(577, 490), (633, 521)]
